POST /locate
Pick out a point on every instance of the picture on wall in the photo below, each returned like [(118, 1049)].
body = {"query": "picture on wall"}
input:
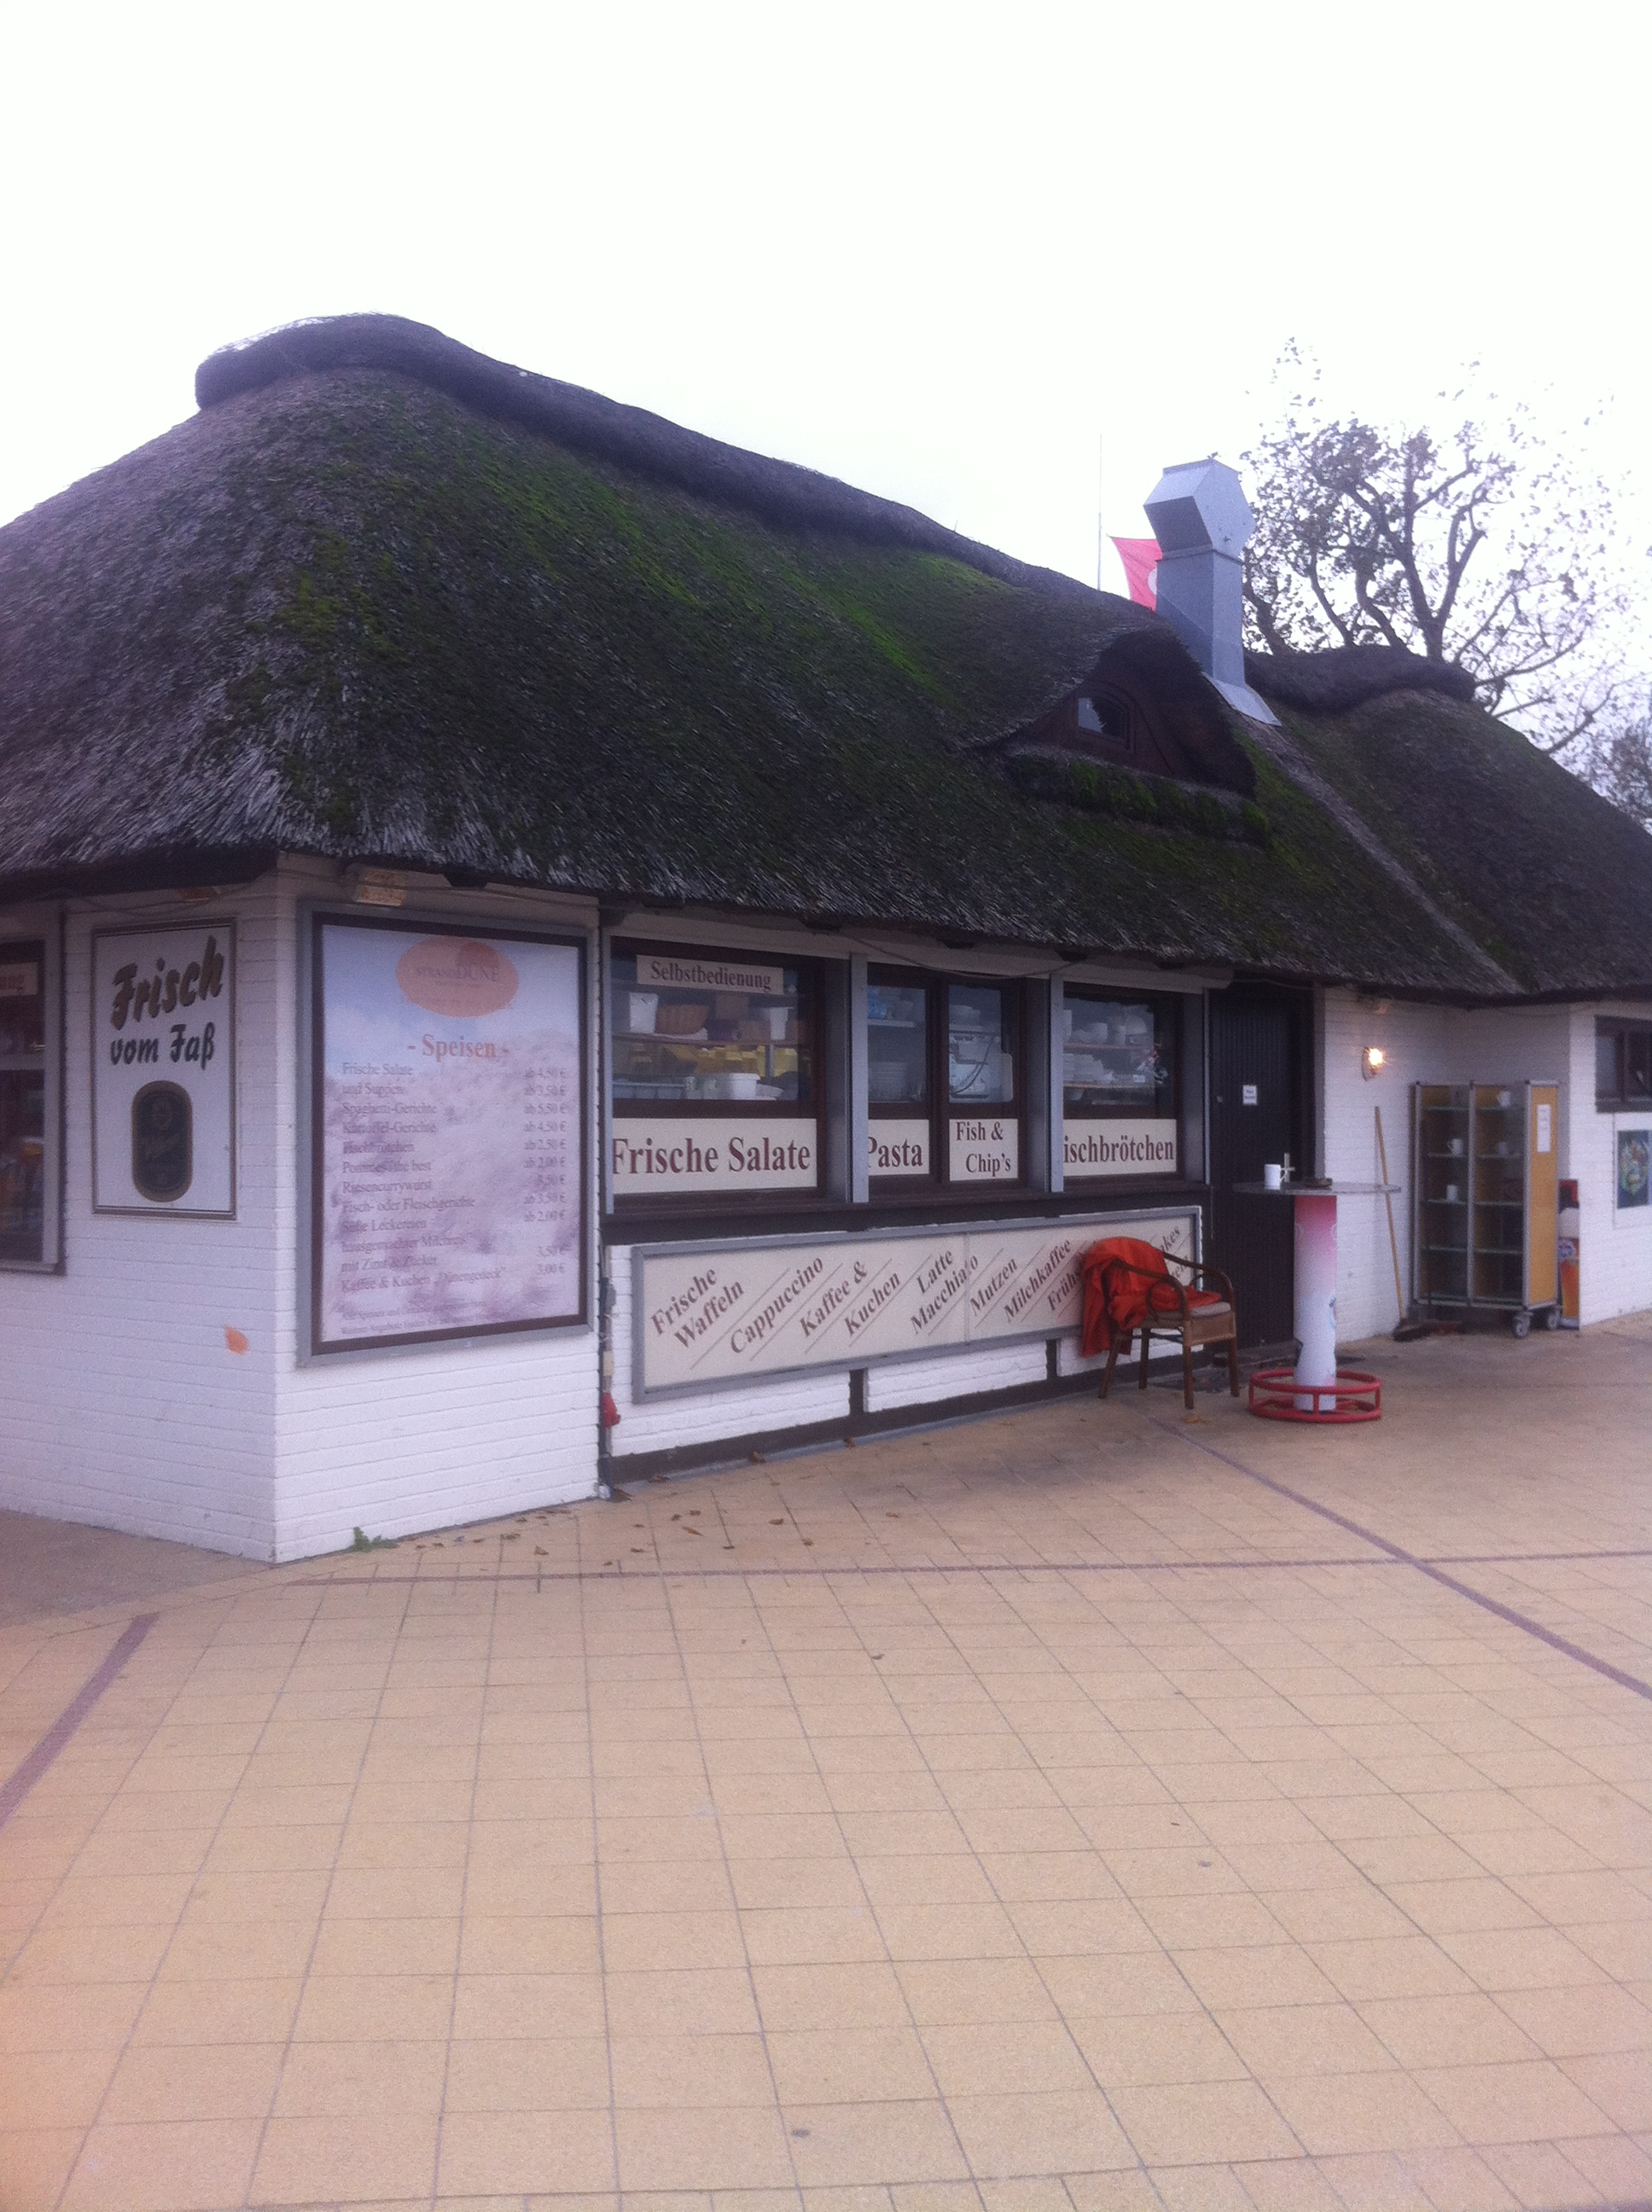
[(1634, 1167), (449, 1133)]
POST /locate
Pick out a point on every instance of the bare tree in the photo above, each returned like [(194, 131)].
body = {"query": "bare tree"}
[(1620, 765), (1476, 545)]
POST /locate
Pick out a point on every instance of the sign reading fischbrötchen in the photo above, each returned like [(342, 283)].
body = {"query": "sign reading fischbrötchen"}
[(1091, 1145)]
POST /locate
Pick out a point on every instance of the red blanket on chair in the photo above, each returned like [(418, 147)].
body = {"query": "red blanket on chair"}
[(1117, 1302)]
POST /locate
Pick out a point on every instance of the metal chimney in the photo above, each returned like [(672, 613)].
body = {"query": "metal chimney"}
[(1203, 522)]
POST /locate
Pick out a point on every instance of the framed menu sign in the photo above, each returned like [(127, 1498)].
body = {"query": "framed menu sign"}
[(448, 1122)]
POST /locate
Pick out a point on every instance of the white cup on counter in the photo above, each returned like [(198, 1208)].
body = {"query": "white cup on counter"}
[(777, 1017), (1273, 1176), (1451, 1193), (645, 1006)]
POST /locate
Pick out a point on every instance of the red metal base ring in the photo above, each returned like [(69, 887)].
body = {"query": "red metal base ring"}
[(1352, 1397)]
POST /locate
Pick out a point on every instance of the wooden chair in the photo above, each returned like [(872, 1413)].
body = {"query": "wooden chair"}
[(1130, 1290)]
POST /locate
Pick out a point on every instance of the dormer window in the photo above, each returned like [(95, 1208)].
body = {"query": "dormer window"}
[(1106, 716)]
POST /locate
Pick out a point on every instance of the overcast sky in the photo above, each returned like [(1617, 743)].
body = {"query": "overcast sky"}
[(944, 251)]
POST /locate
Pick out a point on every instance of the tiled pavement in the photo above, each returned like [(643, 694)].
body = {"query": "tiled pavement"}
[(1088, 1810)]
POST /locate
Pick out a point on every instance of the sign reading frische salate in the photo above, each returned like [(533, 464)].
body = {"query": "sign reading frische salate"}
[(163, 1070), (713, 1314), (448, 1122)]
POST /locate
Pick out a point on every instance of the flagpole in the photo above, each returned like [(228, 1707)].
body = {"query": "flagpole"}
[(1101, 504)]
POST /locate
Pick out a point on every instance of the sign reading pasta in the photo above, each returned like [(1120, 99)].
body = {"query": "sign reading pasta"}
[(448, 1116)]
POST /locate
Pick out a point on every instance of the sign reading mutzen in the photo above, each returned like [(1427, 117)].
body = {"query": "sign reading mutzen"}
[(163, 1070), (713, 1314)]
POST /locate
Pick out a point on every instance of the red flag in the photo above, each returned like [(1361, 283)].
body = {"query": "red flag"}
[(1140, 558)]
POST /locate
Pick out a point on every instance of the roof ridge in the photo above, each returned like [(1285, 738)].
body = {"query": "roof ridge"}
[(779, 491)]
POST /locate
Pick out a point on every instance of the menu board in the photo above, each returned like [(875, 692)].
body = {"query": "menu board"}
[(449, 1121), (711, 1314)]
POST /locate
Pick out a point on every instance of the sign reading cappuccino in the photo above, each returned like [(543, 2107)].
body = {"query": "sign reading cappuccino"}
[(767, 1307), (650, 1158), (163, 1071), (1095, 1147)]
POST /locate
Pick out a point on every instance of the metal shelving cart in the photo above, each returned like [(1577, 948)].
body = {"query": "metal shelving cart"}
[(1484, 1203)]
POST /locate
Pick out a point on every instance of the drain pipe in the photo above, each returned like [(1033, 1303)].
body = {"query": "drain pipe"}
[(607, 1412)]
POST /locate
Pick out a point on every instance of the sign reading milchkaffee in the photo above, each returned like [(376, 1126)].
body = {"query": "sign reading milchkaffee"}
[(163, 1071)]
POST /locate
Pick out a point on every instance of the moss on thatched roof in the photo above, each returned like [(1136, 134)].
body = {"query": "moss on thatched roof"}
[(382, 600)]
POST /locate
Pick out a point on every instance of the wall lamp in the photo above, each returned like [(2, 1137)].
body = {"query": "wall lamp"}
[(1372, 1061)]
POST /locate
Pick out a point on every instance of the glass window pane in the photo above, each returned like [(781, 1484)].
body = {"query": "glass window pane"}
[(1638, 1065), (22, 1000), (897, 1044), (732, 1030), (979, 1047), (23, 1164), (1607, 1081), (1116, 1057)]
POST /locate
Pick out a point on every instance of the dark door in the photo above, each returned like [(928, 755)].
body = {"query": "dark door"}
[(1258, 1056)]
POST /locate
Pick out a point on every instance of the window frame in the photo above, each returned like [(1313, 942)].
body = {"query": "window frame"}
[(812, 1008), (1166, 1009), (941, 1112), (21, 944), (1620, 1032)]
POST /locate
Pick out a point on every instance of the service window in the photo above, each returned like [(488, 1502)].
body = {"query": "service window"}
[(943, 1082), (27, 1150), (714, 1074), (1119, 1086)]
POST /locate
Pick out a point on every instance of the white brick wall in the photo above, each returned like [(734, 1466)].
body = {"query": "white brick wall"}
[(1428, 1044), (398, 1441), (927, 1382), (123, 1404), (1615, 1256)]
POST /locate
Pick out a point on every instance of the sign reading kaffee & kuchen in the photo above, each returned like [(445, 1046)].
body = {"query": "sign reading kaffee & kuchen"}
[(163, 1070), (715, 1314)]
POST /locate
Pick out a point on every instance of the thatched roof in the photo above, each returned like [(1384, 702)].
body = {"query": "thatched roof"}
[(382, 599), (1351, 676)]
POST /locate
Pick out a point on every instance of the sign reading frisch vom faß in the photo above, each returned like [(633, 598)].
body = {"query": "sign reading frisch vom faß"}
[(163, 1071)]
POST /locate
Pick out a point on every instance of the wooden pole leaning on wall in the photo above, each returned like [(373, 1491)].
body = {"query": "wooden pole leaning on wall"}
[(1388, 1200)]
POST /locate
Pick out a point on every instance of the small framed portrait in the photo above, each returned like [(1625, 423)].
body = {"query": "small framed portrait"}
[(1634, 1167)]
